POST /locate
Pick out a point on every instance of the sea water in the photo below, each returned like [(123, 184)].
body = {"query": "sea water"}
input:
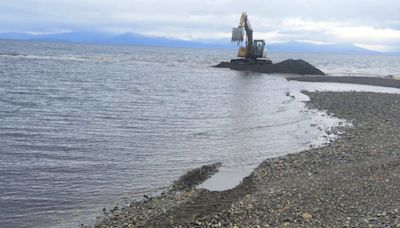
[(83, 126)]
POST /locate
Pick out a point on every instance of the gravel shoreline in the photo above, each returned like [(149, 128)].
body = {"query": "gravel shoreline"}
[(353, 181), (386, 82)]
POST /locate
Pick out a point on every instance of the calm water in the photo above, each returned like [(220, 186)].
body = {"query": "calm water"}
[(82, 126)]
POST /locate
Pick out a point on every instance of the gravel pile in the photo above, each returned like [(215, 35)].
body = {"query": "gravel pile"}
[(354, 181), (289, 66)]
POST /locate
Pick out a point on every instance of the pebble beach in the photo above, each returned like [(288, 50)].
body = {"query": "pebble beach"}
[(353, 181)]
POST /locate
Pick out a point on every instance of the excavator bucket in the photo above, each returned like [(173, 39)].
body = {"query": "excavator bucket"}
[(237, 34)]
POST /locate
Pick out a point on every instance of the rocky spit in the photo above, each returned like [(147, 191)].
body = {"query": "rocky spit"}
[(352, 182), (386, 82)]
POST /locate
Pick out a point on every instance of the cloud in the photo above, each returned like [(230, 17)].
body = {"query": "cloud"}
[(365, 22), (365, 36)]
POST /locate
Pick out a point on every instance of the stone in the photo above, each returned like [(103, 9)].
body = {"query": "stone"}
[(307, 216)]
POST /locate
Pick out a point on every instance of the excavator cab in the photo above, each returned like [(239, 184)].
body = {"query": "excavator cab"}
[(258, 51)]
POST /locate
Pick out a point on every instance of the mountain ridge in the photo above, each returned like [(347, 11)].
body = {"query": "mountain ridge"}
[(138, 39)]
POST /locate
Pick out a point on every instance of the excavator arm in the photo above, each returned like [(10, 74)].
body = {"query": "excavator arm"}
[(245, 23)]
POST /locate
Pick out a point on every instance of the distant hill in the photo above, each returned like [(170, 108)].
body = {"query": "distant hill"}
[(340, 48), (136, 39), (101, 38)]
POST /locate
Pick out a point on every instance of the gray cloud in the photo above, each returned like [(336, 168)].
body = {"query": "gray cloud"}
[(365, 22)]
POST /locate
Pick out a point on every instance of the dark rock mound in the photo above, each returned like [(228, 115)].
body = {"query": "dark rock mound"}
[(298, 66), (290, 66), (196, 176)]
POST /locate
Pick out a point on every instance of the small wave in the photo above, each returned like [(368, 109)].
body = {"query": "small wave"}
[(47, 148), (183, 91), (197, 134), (64, 98), (19, 103), (32, 92), (17, 135), (7, 110), (57, 58), (12, 54)]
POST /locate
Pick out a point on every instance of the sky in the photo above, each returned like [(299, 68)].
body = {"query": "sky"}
[(373, 24)]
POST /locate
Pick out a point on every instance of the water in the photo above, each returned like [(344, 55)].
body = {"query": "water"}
[(82, 126)]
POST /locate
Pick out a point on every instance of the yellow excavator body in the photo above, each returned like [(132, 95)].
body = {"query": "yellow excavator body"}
[(242, 52)]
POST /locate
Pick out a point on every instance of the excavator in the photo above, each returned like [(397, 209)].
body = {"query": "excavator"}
[(252, 57), (253, 51)]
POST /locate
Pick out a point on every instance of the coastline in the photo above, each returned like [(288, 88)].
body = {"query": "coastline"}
[(385, 82), (353, 181)]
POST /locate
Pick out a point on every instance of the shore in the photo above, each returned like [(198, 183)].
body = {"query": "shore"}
[(386, 82), (353, 181)]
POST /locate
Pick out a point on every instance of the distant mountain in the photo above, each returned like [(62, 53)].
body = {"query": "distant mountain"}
[(15, 36), (339, 48), (136, 39), (126, 38)]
